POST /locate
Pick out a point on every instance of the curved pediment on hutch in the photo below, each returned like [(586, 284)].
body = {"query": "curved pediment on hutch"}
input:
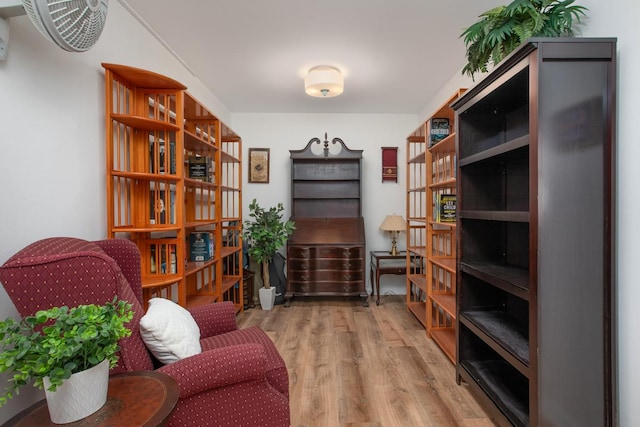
[(326, 151)]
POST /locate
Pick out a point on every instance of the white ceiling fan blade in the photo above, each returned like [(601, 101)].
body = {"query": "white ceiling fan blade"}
[(74, 25)]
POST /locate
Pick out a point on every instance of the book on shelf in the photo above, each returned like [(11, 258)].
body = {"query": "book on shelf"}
[(152, 265), (439, 129), (446, 208), (162, 249), (201, 168), (161, 158), (201, 246), (172, 158), (152, 155), (158, 207)]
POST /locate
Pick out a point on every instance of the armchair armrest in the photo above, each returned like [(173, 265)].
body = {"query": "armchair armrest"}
[(218, 368), (215, 319)]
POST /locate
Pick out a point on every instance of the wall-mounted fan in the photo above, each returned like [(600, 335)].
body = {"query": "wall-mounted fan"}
[(74, 25)]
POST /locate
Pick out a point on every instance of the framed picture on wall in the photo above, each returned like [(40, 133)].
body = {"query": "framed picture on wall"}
[(259, 165)]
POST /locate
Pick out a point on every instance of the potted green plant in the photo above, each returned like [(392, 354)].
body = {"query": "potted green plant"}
[(502, 29), (265, 233), (57, 347)]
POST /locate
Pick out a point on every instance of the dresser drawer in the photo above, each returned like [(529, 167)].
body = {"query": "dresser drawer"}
[(326, 288), (339, 252), (326, 275), (300, 264)]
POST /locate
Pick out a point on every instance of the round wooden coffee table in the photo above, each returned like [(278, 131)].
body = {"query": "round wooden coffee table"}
[(140, 398)]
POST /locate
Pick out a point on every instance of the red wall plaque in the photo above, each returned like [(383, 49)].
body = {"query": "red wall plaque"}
[(390, 164)]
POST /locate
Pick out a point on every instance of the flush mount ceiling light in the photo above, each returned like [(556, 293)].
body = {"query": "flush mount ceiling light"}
[(324, 82)]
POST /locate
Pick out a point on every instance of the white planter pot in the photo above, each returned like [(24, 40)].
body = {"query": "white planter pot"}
[(267, 297), (80, 396)]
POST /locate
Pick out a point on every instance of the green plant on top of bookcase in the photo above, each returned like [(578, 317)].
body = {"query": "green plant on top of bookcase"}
[(502, 29)]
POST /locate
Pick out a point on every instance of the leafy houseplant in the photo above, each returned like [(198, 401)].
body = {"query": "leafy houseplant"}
[(59, 342), (502, 29), (265, 233)]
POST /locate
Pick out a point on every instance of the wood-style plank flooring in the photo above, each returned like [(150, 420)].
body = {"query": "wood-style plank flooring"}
[(364, 366)]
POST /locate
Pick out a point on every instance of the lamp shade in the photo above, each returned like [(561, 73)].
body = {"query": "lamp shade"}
[(393, 223), (324, 82)]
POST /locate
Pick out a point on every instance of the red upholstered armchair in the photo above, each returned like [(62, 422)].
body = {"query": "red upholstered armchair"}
[(239, 379)]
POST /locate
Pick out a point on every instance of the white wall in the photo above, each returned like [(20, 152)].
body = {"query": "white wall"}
[(52, 152)]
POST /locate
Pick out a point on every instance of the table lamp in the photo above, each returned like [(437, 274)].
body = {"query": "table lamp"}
[(394, 224)]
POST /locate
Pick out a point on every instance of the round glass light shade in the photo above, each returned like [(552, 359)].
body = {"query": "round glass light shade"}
[(324, 82)]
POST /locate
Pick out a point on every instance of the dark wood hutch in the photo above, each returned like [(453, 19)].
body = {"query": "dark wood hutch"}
[(326, 253)]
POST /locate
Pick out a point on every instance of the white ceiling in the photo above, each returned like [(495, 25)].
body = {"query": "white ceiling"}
[(253, 54)]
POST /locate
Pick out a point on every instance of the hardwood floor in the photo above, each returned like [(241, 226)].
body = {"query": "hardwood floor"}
[(364, 366)]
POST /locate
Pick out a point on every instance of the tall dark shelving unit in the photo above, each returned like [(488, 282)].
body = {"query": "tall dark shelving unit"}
[(535, 190)]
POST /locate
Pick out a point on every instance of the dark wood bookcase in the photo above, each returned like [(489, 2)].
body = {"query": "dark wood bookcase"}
[(535, 190), (326, 253)]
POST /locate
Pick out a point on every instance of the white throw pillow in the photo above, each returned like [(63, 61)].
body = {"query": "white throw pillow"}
[(169, 331)]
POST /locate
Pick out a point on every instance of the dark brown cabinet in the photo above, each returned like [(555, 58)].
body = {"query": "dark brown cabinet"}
[(326, 252), (535, 235)]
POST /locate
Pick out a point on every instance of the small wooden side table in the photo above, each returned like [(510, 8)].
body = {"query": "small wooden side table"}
[(382, 262), (140, 398)]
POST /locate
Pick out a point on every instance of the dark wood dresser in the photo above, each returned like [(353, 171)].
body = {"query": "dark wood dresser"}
[(326, 254)]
